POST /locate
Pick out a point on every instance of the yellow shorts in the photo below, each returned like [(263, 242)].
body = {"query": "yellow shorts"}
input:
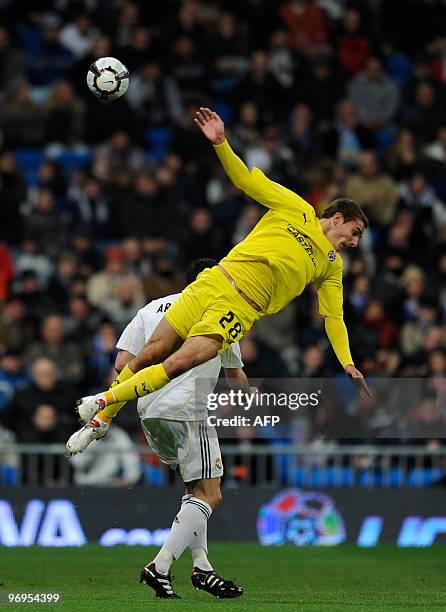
[(211, 305)]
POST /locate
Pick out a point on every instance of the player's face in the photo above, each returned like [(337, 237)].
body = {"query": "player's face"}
[(347, 234)]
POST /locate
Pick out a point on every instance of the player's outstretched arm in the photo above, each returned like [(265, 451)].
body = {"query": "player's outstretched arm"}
[(338, 336), (255, 184), (213, 128), (211, 125)]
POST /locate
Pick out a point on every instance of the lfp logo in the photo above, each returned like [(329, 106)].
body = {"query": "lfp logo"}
[(300, 518)]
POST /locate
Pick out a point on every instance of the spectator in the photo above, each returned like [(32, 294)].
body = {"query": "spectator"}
[(418, 196), (136, 53), (247, 128), (428, 423), (313, 362), (248, 219), (345, 139), (59, 285), (50, 176), (44, 225), (50, 61), (12, 194), (6, 271), (425, 114), (117, 159), (13, 376), (352, 47), (54, 345), (79, 36), (12, 60), (281, 60), (188, 70), (64, 116), (150, 96), (91, 209), (302, 135), (104, 285), (34, 261), (228, 41), (375, 95), (145, 212), (44, 427), (102, 349), (163, 280), (413, 333), (305, 21), (322, 92), (17, 328), (402, 155), (413, 281), (126, 300), (21, 118), (374, 190), (202, 238), (265, 91), (260, 360), (121, 469), (45, 388)]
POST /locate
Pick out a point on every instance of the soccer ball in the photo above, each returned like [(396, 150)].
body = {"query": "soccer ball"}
[(108, 78)]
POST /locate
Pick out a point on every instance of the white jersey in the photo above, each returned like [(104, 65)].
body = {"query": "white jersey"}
[(178, 400)]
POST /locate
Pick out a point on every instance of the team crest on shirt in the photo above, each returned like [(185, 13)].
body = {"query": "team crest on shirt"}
[(331, 256), (218, 465)]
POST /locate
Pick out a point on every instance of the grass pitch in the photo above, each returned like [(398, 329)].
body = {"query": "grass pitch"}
[(284, 579)]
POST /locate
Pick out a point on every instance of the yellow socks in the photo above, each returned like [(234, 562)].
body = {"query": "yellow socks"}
[(109, 412), (146, 381)]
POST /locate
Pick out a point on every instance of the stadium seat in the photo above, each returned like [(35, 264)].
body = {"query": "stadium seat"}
[(154, 475), (226, 111), (29, 161), (71, 161), (157, 141), (423, 477), (9, 475)]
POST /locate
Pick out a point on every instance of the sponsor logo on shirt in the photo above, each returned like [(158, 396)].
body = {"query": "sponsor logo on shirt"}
[(302, 240)]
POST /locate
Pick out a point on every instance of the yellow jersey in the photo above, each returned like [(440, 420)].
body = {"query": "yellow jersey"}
[(289, 238)]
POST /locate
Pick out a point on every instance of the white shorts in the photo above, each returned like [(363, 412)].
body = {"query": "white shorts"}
[(191, 445)]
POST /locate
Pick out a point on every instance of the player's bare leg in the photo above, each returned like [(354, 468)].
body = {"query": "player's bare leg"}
[(193, 352), (97, 418), (162, 343)]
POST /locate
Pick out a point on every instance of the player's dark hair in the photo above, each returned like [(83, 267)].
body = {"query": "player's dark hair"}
[(197, 266), (349, 209)]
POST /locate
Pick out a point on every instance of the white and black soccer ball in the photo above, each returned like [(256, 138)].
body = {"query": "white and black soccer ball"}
[(108, 78)]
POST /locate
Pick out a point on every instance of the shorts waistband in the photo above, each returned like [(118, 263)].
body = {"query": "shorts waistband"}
[(244, 296)]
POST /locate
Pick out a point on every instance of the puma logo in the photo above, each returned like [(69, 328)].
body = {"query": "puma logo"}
[(305, 217)]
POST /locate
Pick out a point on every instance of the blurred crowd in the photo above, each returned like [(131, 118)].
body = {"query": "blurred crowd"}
[(103, 205)]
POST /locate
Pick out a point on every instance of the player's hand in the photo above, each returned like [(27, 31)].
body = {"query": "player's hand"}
[(210, 124), (358, 379)]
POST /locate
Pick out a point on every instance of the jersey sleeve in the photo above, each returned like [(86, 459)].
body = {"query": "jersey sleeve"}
[(231, 357), (338, 336), (132, 338), (330, 295), (258, 186)]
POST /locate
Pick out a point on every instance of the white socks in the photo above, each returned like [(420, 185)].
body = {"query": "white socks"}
[(199, 545), (189, 528)]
